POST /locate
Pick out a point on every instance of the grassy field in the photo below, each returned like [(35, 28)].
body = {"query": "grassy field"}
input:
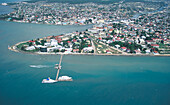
[(101, 48)]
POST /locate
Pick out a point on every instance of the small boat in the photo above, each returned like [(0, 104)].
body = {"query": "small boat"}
[(4, 4), (65, 78), (48, 80), (58, 67)]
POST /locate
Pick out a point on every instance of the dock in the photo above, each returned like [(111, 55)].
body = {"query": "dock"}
[(59, 67), (62, 78)]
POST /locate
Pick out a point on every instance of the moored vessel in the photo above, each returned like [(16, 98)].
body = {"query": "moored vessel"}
[(65, 78), (4, 4), (48, 80)]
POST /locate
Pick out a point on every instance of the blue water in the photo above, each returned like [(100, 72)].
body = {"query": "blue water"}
[(9, 1), (7, 9), (160, 9), (98, 80)]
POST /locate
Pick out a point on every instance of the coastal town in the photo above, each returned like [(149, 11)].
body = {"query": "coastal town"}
[(85, 52), (124, 28), (77, 14)]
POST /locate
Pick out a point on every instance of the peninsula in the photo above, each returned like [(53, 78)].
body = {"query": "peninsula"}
[(124, 28)]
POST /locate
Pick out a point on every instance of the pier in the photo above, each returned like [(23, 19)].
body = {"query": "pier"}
[(59, 67), (62, 78)]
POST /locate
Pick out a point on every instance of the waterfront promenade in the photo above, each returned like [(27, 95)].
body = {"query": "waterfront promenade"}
[(14, 48)]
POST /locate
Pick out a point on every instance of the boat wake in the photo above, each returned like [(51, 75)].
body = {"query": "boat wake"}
[(39, 66)]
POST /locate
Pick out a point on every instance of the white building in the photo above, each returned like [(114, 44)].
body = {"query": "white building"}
[(117, 46), (38, 46), (30, 48), (54, 42), (93, 30), (87, 49), (47, 44)]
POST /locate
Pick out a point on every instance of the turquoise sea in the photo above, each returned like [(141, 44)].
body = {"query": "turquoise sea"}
[(98, 80), (9, 1)]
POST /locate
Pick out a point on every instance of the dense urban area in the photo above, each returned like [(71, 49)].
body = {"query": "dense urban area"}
[(140, 28)]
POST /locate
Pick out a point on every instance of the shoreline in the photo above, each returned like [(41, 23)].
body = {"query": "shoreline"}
[(15, 49)]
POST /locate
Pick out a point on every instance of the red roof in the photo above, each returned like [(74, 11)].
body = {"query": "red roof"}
[(31, 41), (117, 39), (123, 47), (154, 45), (58, 39), (111, 30), (149, 40), (74, 40), (155, 51), (74, 50), (99, 27), (100, 38), (107, 51), (137, 51), (68, 41)]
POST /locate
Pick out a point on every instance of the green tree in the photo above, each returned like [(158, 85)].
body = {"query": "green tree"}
[(113, 32), (137, 32), (30, 43), (37, 43), (56, 50), (42, 42), (90, 20), (92, 51), (23, 48), (63, 50)]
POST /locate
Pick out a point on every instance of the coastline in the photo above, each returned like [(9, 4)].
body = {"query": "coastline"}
[(15, 49)]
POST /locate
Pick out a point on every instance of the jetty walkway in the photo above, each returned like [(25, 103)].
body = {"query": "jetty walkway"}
[(59, 67)]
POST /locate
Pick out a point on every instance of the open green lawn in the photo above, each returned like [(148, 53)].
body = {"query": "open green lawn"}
[(20, 45)]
